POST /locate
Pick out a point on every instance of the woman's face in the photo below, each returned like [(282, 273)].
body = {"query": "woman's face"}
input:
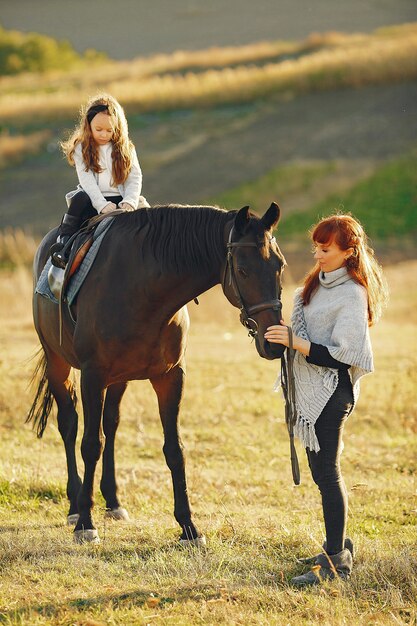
[(102, 128), (329, 256)]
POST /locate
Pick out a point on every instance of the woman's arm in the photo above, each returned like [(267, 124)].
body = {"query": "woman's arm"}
[(320, 355), (314, 352)]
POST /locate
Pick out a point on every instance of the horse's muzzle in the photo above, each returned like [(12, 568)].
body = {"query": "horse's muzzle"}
[(269, 350)]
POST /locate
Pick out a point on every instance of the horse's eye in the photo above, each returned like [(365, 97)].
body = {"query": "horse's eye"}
[(242, 272)]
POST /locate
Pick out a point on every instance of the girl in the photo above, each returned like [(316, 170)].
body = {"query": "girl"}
[(342, 295), (107, 167)]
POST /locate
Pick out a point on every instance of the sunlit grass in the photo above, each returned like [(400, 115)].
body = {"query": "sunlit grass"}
[(236, 75), (256, 522)]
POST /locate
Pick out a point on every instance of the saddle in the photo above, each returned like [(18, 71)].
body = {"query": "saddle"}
[(59, 284)]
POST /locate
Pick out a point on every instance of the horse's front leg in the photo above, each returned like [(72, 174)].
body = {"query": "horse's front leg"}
[(92, 390), (111, 419), (169, 389)]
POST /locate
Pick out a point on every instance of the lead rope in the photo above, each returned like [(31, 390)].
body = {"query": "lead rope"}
[(288, 386)]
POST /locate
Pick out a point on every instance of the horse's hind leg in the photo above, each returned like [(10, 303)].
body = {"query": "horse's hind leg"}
[(169, 389), (111, 419), (64, 393)]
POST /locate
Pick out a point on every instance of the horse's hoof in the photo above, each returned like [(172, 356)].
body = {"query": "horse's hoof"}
[(72, 519), (86, 536), (198, 542), (118, 514)]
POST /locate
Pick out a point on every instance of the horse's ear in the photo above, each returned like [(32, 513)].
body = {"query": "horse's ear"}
[(271, 217), (242, 220)]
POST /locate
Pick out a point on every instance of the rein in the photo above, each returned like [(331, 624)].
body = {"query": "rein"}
[(288, 387), (245, 311)]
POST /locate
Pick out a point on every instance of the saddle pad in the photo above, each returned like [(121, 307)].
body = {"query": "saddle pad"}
[(77, 280)]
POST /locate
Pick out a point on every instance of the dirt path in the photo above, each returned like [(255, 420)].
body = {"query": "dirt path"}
[(189, 157)]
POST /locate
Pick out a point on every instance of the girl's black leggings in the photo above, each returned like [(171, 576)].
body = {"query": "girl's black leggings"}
[(80, 207), (325, 464)]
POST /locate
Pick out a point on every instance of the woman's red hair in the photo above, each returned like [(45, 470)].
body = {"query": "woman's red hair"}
[(346, 232)]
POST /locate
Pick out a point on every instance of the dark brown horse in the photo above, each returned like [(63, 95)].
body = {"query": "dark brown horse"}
[(132, 323)]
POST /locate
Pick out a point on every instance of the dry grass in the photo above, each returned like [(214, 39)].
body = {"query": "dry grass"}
[(12, 147), (17, 248), (243, 74), (239, 483)]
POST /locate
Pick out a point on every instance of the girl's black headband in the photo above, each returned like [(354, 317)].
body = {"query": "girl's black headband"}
[(92, 111)]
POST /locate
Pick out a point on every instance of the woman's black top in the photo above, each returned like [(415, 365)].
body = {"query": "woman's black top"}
[(319, 355)]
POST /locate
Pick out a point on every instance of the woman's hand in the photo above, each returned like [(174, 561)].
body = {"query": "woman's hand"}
[(279, 334)]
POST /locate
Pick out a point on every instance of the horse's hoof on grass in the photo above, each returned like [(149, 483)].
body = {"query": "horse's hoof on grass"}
[(72, 519), (198, 542), (86, 536), (117, 514)]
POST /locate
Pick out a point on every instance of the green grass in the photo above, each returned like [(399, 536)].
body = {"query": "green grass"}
[(385, 202), (275, 184), (31, 52), (239, 478)]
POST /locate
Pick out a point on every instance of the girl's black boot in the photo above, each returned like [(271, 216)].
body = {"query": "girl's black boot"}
[(59, 251)]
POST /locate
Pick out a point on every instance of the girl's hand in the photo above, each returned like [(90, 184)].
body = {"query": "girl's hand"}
[(126, 206), (109, 207), (277, 334)]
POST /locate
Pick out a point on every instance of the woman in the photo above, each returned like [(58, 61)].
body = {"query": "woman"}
[(342, 295)]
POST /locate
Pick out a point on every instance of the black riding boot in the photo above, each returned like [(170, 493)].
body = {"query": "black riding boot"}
[(60, 251)]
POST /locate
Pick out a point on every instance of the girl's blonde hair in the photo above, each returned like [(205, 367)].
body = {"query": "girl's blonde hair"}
[(362, 266), (122, 145)]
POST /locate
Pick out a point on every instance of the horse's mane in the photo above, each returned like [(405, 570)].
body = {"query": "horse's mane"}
[(181, 238)]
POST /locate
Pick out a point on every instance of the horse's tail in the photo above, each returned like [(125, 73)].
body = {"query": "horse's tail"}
[(42, 404)]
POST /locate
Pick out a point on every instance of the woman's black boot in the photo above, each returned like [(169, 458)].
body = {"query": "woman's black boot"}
[(328, 567)]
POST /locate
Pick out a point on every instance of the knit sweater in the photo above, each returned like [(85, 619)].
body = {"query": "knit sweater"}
[(337, 318), (97, 186)]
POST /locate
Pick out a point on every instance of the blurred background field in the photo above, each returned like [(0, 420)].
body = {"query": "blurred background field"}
[(316, 110)]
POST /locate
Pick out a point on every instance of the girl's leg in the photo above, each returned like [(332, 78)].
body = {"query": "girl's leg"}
[(79, 210), (325, 464)]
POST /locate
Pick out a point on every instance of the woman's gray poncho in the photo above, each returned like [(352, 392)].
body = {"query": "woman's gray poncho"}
[(336, 317)]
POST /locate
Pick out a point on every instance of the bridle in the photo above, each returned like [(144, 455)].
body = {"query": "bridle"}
[(246, 312), (287, 375)]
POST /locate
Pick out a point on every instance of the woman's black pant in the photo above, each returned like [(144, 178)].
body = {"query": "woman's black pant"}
[(325, 464), (81, 209)]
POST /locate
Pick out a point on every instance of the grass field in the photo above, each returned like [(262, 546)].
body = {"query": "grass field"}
[(257, 524), (255, 521)]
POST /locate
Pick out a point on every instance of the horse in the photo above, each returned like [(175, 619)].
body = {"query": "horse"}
[(130, 322)]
